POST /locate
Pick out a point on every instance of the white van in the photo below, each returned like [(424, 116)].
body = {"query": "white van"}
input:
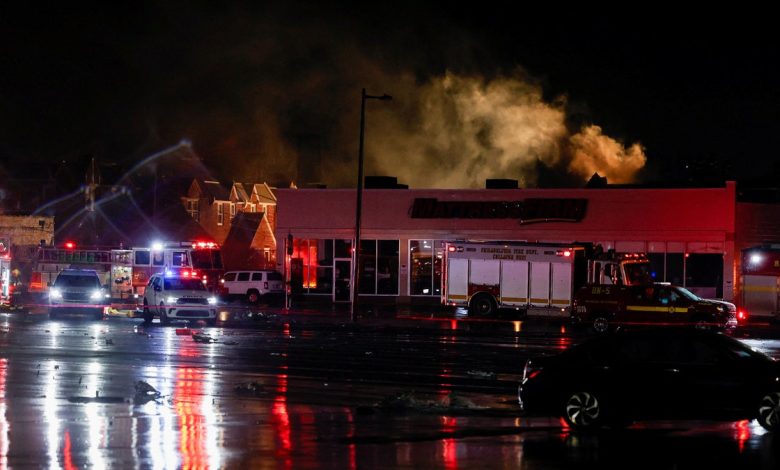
[(251, 285)]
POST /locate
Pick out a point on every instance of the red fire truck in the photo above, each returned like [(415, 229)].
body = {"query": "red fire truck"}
[(538, 278)]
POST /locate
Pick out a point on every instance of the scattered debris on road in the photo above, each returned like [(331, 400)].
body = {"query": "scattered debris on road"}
[(249, 388)]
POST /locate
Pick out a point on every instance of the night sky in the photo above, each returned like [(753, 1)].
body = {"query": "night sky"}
[(488, 90)]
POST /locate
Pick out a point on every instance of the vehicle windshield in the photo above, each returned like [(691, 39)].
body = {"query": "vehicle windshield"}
[(183, 284), (741, 350), (76, 281), (638, 273), (686, 293)]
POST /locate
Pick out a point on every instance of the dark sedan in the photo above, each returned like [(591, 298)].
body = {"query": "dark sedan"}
[(666, 374)]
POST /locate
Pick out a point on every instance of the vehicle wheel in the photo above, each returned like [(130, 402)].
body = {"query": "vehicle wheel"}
[(482, 305), (164, 316), (148, 315), (601, 324), (252, 296), (769, 411), (582, 410), (98, 314)]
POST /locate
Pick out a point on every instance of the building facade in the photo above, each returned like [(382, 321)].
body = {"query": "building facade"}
[(693, 236), (248, 241)]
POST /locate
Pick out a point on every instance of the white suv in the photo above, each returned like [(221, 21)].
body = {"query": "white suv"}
[(77, 291), (251, 285), (179, 295)]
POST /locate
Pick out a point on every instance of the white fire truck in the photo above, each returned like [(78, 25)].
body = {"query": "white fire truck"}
[(536, 278)]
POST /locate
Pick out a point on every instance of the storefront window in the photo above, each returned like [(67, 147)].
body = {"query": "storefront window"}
[(367, 266), (343, 249), (387, 267), (674, 268), (657, 266), (704, 274), (421, 267)]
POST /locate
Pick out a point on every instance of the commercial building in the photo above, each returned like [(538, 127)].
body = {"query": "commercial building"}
[(693, 236)]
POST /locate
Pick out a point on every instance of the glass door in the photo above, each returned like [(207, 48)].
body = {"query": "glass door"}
[(342, 275)]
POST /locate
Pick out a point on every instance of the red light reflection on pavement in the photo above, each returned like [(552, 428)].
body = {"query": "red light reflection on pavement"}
[(67, 456), (743, 433), (192, 427), (449, 446), (5, 428), (281, 421)]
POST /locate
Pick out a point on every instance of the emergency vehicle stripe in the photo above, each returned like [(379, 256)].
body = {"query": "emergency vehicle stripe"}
[(560, 302), (514, 299), (644, 308), (458, 297), (760, 289), (539, 301)]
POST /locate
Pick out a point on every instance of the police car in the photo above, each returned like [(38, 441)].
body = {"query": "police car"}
[(178, 295)]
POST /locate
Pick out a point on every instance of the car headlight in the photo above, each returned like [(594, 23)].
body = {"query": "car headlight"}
[(171, 299), (55, 293), (212, 301), (95, 295)]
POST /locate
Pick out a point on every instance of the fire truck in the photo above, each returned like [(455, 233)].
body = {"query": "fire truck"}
[(126, 272), (536, 278), (759, 292)]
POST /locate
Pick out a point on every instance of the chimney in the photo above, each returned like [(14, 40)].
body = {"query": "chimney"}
[(501, 184)]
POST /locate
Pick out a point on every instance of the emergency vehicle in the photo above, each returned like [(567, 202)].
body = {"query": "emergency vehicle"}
[(759, 290), (537, 278), (178, 294), (127, 271), (656, 304)]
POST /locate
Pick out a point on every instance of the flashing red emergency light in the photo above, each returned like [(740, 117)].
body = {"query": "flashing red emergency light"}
[(741, 315), (451, 248), (566, 253), (70, 245), (203, 245)]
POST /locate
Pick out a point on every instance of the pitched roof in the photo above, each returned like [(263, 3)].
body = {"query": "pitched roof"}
[(241, 194), (213, 190), (264, 193)]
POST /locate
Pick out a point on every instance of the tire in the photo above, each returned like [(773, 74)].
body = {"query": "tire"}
[(482, 305), (148, 315), (582, 410), (252, 296), (769, 411), (164, 319), (98, 315), (601, 324)]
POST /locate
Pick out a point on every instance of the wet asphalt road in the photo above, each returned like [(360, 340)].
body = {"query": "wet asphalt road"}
[(302, 390)]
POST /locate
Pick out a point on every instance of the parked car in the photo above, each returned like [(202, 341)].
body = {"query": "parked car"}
[(671, 373), (77, 291), (604, 306), (178, 295), (251, 286)]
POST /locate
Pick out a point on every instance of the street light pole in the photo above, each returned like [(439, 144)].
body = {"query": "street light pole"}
[(359, 203)]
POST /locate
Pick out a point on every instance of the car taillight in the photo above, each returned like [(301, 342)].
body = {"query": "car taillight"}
[(741, 315)]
